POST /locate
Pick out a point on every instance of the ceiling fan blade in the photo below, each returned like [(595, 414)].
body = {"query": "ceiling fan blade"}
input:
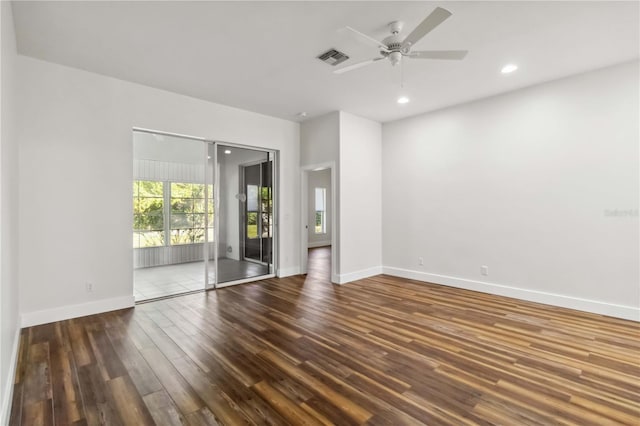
[(356, 66), (439, 54), (372, 40), (434, 19)]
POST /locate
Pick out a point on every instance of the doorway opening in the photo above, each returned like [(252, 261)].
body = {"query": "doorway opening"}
[(319, 265), (319, 224)]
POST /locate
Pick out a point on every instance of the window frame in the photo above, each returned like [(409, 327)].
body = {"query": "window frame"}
[(207, 224), (167, 213)]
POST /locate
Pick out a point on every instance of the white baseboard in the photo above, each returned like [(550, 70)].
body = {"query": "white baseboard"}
[(580, 304), (7, 395), (357, 275), (73, 311), (287, 272), (318, 244)]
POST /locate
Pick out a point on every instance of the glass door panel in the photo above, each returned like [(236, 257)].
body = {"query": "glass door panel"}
[(169, 215), (212, 218), (245, 213)]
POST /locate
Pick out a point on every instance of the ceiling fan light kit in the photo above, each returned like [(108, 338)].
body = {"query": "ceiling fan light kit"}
[(394, 58), (395, 47)]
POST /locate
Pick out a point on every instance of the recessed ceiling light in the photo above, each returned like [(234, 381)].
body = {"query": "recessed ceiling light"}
[(509, 68), (227, 151), (403, 100)]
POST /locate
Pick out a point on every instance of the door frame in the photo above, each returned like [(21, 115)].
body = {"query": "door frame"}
[(212, 176), (304, 218)]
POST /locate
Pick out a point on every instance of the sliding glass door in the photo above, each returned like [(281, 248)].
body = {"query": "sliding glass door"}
[(245, 215), (195, 200), (170, 229)]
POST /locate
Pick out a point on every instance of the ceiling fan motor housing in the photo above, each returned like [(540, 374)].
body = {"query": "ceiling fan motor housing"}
[(394, 44)]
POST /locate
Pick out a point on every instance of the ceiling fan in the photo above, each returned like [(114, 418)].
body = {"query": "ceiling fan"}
[(395, 47)]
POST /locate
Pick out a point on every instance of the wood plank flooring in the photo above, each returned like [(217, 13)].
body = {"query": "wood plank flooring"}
[(382, 350)]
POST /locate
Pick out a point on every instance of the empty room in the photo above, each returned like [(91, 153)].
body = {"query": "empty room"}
[(319, 212)]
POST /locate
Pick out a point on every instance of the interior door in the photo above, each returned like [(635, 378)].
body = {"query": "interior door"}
[(258, 212)]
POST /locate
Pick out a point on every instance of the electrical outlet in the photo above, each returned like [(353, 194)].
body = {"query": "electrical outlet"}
[(421, 261), (89, 287), (484, 270)]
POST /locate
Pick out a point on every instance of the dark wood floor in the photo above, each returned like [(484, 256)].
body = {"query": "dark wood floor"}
[(293, 351)]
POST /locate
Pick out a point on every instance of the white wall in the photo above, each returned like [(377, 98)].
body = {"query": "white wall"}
[(526, 183), (168, 149), (320, 139), (360, 198), (319, 179), (75, 181), (353, 145), (9, 321)]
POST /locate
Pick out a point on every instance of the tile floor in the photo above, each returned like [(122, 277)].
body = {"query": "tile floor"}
[(161, 281)]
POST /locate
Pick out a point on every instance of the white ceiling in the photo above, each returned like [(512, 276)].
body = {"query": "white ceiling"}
[(261, 56)]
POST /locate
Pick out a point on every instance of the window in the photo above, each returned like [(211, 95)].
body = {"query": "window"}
[(259, 208), (187, 216), (321, 222), (148, 214), (182, 203)]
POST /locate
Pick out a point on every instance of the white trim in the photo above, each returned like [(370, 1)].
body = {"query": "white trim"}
[(603, 308), (304, 219), (319, 244), (160, 132), (11, 374), (358, 275), (74, 311), (287, 272)]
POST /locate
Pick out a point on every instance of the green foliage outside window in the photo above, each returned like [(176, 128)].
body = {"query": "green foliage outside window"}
[(185, 212), (148, 214), (188, 213), (252, 225), (264, 197)]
